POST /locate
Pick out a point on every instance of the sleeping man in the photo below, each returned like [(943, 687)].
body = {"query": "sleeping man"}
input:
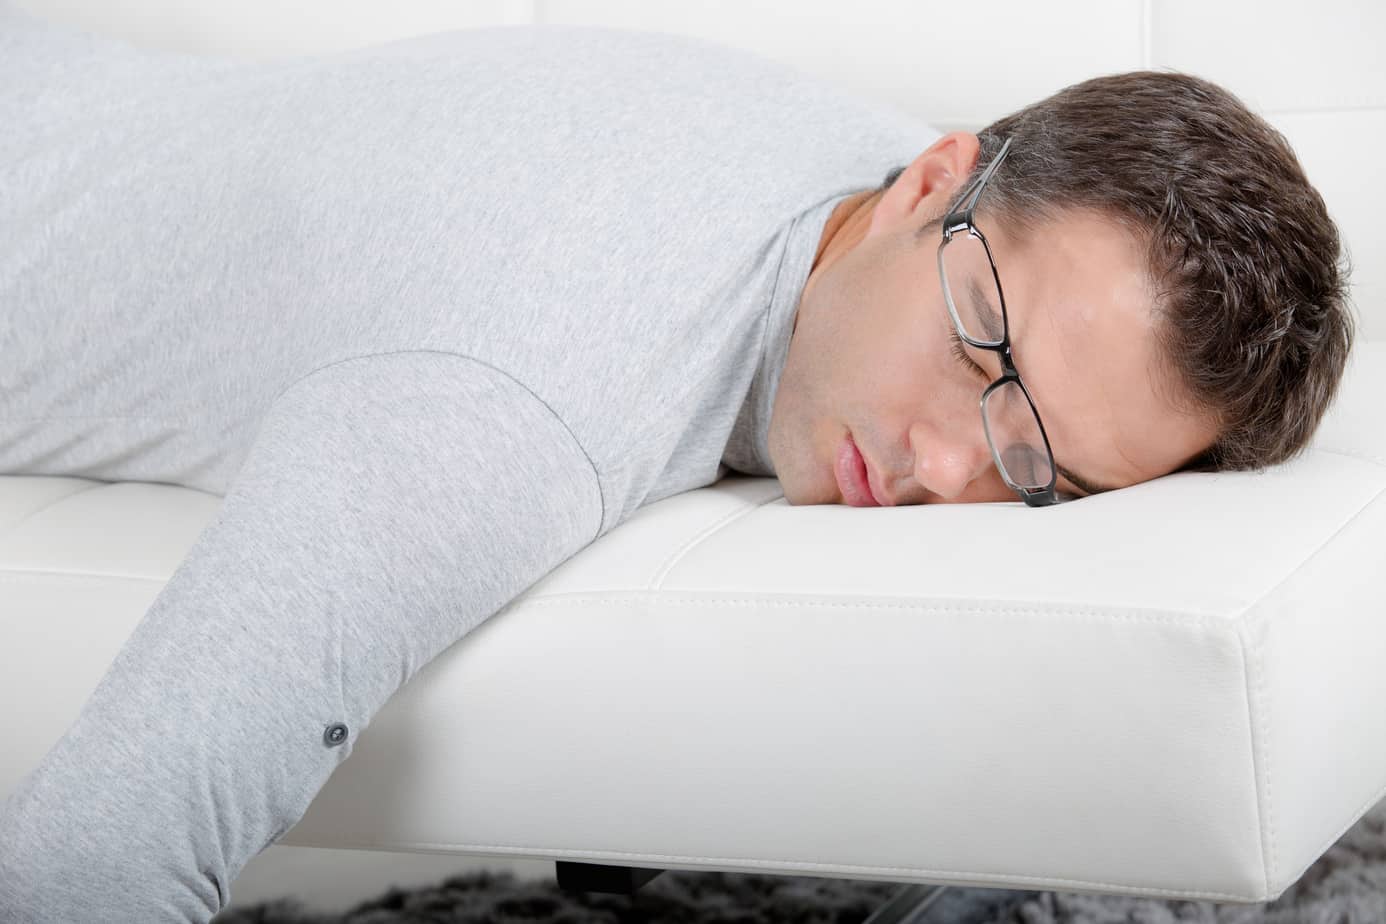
[(436, 314)]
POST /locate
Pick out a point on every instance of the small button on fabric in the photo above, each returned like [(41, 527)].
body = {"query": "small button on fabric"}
[(335, 734)]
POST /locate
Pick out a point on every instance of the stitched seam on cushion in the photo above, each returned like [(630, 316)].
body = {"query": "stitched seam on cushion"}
[(51, 504), (702, 599), (1353, 454), (1314, 553), (1270, 857), (27, 575), (1253, 670), (601, 492), (706, 533)]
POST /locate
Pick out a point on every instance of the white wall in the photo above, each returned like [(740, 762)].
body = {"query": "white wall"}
[(1318, 73)]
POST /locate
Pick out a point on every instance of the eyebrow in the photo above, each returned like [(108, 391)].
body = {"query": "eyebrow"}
[(991, 320)]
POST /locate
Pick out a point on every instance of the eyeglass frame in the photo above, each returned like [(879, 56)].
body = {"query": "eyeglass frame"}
[(958, 219)]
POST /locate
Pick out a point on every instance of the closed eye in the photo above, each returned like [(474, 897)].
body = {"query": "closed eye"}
[(961, 353), (969, 363)]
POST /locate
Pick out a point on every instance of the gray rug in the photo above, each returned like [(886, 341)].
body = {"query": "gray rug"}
[(1347, 885)]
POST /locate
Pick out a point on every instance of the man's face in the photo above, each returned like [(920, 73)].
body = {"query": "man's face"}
[(871, 354)]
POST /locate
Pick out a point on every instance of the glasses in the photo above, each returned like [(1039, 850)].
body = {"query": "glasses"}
[(972, 290)]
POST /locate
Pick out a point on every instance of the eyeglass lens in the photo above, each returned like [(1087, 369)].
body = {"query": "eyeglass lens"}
[(1012, 427)]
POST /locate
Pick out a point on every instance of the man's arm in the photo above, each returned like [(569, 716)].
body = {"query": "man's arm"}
[(389, 504)]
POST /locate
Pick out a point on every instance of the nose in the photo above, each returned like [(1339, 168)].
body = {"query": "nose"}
[(948, 461)]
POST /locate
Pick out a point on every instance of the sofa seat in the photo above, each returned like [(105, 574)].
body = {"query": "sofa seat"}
[(1173, 690)]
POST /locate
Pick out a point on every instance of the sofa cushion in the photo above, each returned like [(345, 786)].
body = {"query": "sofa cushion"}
[(1171, 690)]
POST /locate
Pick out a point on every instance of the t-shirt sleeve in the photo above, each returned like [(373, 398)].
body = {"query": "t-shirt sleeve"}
[(389, 505)]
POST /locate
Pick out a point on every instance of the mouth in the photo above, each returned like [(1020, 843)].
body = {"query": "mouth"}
[(852, 478)]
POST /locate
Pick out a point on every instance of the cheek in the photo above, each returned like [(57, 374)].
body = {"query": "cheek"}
[(864, 340), (904, 363), (879, 343)]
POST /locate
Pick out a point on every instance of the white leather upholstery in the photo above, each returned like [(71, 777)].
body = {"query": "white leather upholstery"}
[(1172, 690)]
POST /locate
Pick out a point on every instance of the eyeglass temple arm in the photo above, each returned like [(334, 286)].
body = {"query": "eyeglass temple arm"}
[(974, 191)]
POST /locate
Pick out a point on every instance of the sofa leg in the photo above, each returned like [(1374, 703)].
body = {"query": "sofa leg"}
[(915, 903), (598, 877), (908, 905), (936, 904)]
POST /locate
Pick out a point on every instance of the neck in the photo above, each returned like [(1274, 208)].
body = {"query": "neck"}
[(844, 228)]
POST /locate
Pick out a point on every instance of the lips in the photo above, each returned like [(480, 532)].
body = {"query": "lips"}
[(873, 484), (852, 478)]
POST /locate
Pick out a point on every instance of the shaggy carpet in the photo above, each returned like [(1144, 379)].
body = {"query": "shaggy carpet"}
[(1347, 885)]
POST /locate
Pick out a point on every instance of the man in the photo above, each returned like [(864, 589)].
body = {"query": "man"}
[(1168, 273), (435, 315)]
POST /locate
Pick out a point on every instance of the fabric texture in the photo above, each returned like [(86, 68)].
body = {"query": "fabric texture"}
[(432, 316)]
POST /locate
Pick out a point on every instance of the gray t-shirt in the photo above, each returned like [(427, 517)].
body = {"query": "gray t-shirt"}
[(433, 316), (621, 221)]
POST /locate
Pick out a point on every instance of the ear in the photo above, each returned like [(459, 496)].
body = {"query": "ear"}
[(923, 191)]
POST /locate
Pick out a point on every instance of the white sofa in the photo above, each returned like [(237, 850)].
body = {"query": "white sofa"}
[(1171, 691)]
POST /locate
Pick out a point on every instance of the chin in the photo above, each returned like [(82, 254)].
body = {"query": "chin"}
[(795, 499), (806, 476), (822, 490), (795, 496)]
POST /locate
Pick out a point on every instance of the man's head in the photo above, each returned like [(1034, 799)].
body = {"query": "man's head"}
[(1172, 285)]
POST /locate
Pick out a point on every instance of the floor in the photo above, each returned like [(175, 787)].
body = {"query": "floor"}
[(335, 880), (331, 881)]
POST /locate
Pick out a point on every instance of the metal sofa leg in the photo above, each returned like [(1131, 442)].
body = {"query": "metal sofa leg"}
[(598, 877), (935, 904), (915, 903), (911, 900), (908, 905)]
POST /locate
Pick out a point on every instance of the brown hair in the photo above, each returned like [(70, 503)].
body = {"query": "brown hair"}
[(1251, 311)]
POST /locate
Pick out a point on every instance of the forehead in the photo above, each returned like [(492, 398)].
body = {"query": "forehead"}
[(1082, 323)]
